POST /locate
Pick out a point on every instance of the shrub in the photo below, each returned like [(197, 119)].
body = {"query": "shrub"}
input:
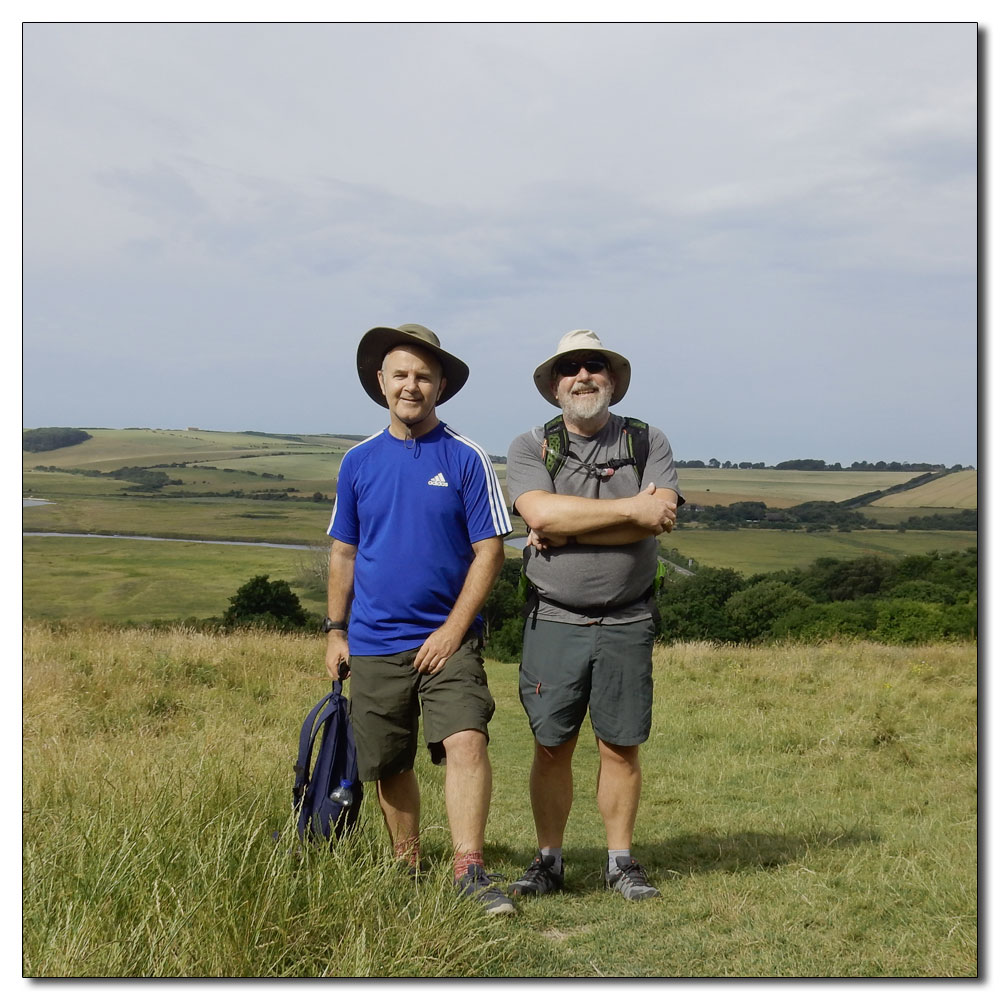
[(50, 438), (752, 610), (265, 603)]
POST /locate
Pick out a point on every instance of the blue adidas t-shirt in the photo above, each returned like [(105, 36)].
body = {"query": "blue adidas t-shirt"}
[(413, 509)]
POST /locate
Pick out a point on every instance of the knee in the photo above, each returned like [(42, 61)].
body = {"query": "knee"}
[(466, 748), (622, 756)]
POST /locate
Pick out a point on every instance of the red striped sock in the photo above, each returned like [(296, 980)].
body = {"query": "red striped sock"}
[(408, 850), (462, 862)]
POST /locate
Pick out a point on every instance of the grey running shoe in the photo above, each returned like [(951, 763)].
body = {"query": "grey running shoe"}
[(630, 880), (540, 878), (477, 884)]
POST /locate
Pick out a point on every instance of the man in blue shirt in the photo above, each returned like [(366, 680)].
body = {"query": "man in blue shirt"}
[(417, 530)]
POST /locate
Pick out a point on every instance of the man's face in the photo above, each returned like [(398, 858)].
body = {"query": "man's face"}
[(411, 382), (583, 395)]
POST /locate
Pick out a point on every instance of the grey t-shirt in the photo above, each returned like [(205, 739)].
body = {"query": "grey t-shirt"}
[(602, 583)]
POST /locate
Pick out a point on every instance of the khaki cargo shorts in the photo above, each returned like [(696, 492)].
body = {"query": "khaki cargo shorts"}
[(387, 697)]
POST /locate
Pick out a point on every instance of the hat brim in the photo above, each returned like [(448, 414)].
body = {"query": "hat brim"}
[(377, 342), (621, 371)]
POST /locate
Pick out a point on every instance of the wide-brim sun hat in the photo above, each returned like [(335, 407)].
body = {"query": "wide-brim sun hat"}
[(584, 343), (377, 342)]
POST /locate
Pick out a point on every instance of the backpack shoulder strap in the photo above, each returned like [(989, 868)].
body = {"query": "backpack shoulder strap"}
[(637, 442), (555, 445), (321, 711)]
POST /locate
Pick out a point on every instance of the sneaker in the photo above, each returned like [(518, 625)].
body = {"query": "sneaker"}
[(477, 884), (540, 878), (630, 880)]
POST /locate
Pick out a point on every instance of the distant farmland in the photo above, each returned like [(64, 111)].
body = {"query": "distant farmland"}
[(960, 489)]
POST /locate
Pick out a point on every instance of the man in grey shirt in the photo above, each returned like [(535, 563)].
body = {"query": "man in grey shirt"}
[(592, 560)]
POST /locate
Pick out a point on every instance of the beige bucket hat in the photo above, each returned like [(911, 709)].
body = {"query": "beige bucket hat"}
[(377, 342), (584, 343)]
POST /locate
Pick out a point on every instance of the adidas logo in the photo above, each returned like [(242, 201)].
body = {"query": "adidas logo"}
[(438, 480)]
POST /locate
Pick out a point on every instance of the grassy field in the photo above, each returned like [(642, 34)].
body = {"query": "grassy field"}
[(113, 580), (781, 487), (807, 812), (766, 551), (960, 489), (291, 522)]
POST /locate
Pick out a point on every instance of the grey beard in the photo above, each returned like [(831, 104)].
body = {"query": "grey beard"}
[(587, 406)]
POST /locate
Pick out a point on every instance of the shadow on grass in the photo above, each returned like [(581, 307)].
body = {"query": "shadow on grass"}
[(701, 853)]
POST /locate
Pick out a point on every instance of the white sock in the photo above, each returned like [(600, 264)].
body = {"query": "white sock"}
[(613, 857)]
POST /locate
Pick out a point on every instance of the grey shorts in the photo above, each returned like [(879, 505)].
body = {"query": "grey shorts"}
[(388, 697), (566, 668)]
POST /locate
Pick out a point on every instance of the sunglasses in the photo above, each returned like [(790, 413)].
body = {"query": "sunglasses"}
[(570, 366)]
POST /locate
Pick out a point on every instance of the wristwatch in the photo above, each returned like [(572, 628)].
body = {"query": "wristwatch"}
[(329, 626)]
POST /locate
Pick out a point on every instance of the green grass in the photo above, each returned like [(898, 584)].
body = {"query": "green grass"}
[(781, 487), (293, 522), (806, 812), (122, 581), (768, 550), (960, 489), (112, 448)]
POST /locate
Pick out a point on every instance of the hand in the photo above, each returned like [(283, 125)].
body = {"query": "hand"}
[(437, 648), (337, 654), (541, 542), (654, 513)]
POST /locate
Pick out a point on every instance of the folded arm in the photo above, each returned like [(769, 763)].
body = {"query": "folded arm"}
[(553, 518)]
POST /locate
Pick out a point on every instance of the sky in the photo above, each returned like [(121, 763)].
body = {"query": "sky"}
[(775, 222)]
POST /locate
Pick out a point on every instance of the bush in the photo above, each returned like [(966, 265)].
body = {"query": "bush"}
[(901, 621), (265, 603), (752, 610), (50, 438), (841, 619)]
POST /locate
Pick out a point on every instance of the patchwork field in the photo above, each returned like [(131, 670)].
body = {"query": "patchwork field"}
[(767, 551), (960, 489)]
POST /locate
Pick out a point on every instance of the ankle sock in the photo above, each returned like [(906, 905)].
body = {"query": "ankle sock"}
[(408, 851), (462, 862), (553, 852), (613, 857)]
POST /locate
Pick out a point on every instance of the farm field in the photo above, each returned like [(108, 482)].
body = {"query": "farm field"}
[(960, 489), (751, 551), (290, 522), (807, 812), (126, 580), (111, 448), (781, 487)]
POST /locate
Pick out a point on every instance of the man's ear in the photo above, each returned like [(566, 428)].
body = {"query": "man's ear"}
[(381, 382), (441, 388)]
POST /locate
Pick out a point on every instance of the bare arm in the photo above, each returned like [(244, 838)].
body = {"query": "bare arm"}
[(555, 516), (339, 594), (631, 533), (486, 564)]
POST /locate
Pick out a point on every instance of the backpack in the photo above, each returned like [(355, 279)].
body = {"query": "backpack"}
[(555, 447), (327, 796)]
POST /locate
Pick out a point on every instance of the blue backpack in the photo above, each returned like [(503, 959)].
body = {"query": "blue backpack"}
[(327, 796)]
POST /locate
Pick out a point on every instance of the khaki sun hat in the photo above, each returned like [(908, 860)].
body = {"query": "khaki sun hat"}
[(377, 343), (584, 343)]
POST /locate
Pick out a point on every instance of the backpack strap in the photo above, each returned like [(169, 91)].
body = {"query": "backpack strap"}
[(555, 445), (637, 444), (311, 728)]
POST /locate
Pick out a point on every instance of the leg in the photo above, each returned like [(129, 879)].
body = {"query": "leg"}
[(619, 783), (551, 787), (468, 784), (399, 797)]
